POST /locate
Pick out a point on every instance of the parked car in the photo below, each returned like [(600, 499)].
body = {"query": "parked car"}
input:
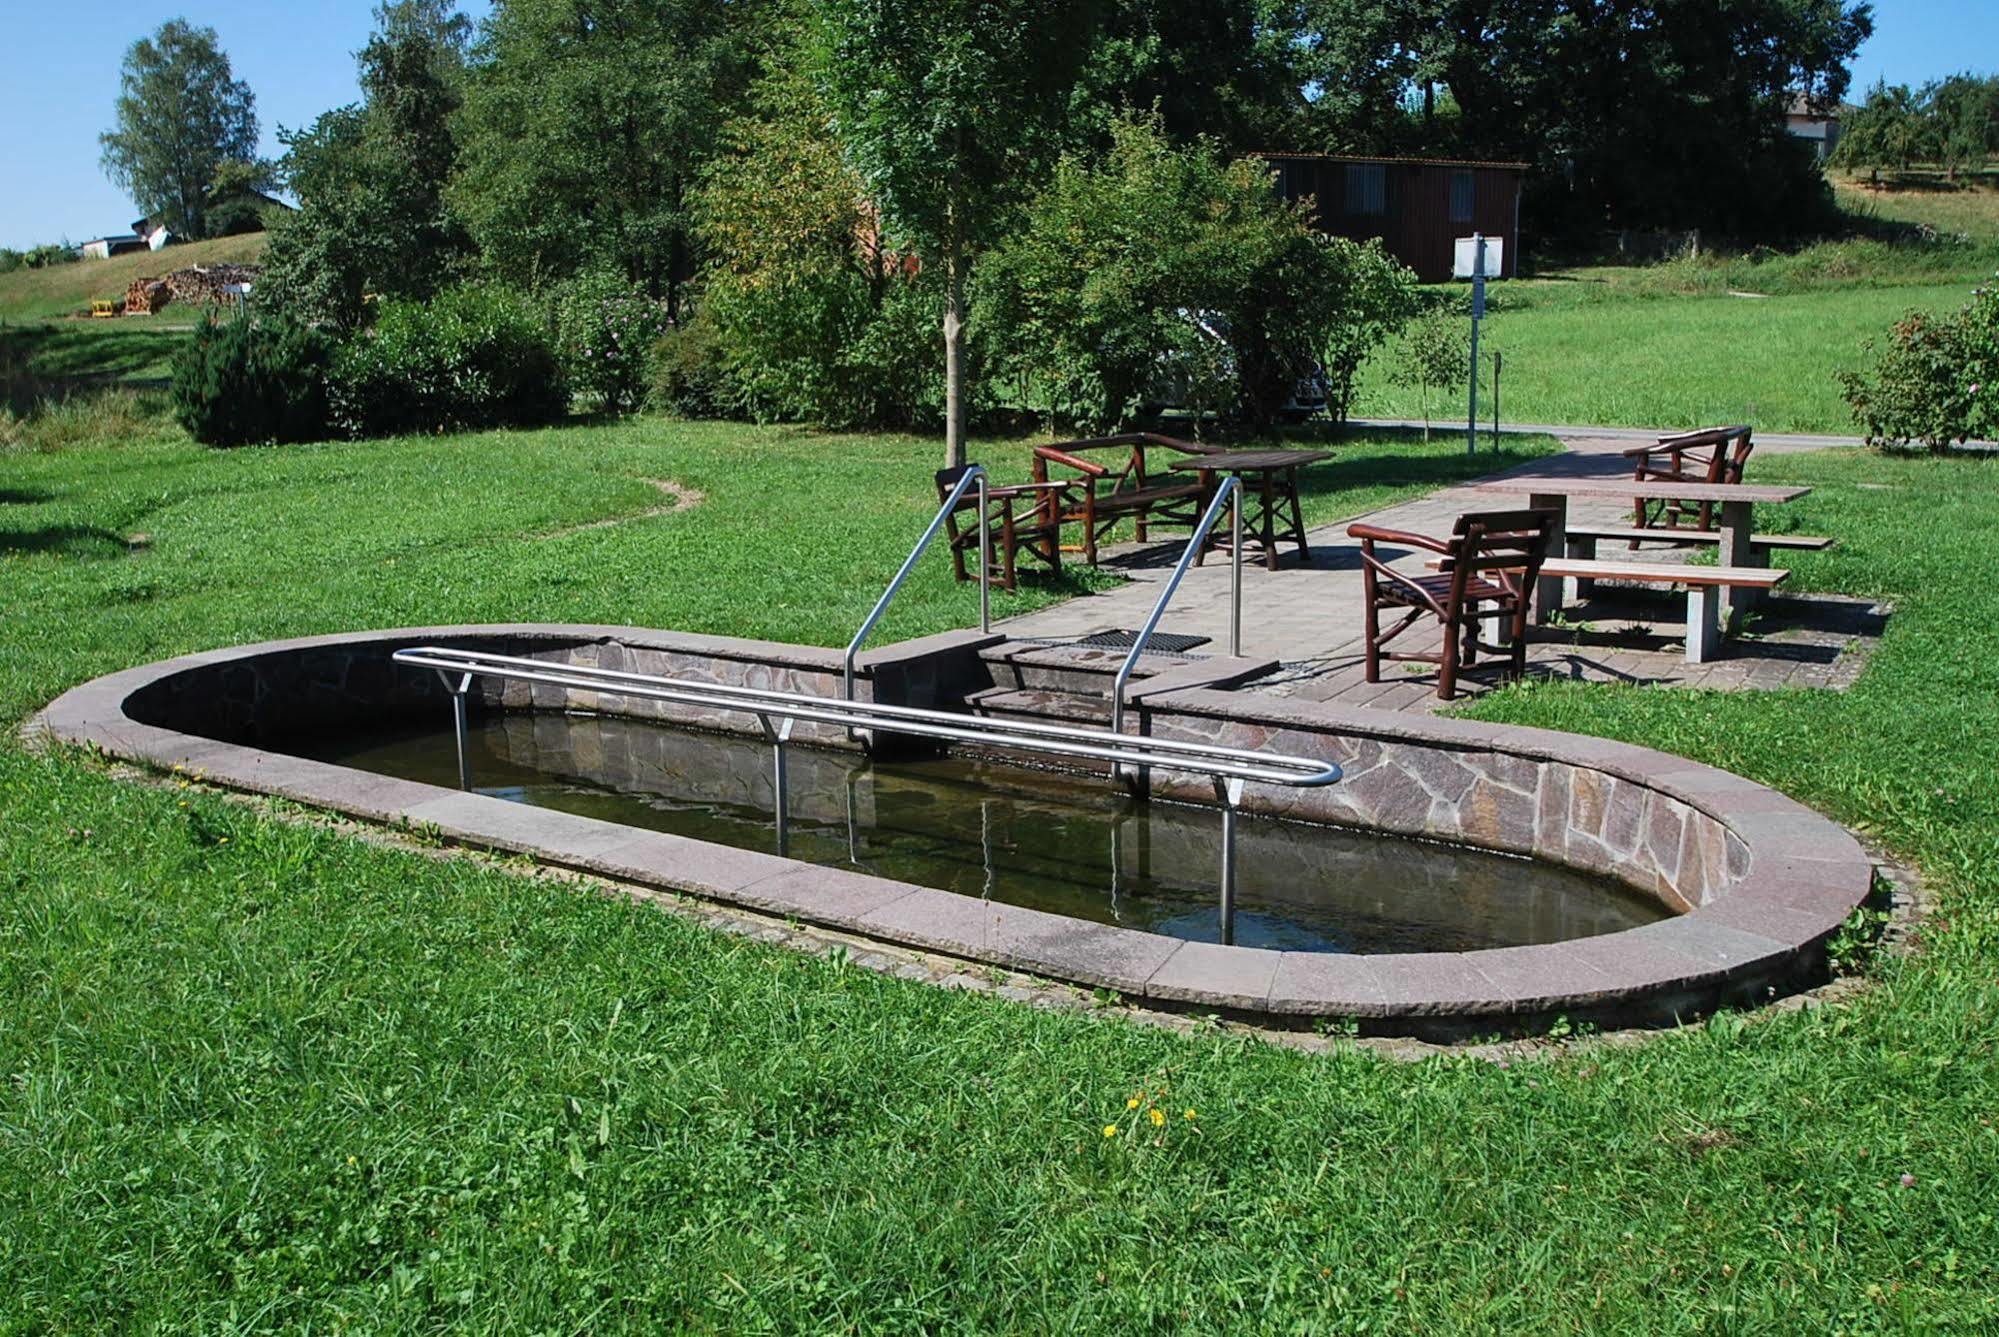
[(1209, 356)]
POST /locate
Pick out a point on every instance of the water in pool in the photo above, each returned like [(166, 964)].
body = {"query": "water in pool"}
[(1064, 843)]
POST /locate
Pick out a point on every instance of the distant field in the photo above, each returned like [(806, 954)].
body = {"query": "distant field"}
[(1677, 362), (47, 294)]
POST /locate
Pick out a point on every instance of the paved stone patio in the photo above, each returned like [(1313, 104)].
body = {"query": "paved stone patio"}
[(1308, 613)]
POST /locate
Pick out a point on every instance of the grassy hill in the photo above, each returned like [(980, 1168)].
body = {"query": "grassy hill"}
[(48, 294)]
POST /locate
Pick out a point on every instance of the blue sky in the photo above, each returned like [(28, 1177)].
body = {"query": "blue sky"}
[(62, 78)]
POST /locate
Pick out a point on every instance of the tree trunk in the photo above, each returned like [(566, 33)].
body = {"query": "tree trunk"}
[(954, 358)]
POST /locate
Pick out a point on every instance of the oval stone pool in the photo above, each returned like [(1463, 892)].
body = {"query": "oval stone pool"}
[(1064, 843)]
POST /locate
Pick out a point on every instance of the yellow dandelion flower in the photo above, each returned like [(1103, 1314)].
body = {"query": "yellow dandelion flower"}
[(1131, 1104), (1158, 1117), (1189, 1114), (1110, 1130)]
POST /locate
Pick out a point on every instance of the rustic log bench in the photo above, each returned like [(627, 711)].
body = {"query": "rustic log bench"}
[(1104, 494), (1705, 585)]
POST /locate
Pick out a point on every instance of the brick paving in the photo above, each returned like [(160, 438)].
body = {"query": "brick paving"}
[(1308, 613)]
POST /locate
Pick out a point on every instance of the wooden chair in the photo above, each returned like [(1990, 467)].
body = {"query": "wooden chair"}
[(1711, 455), (1022, 518), (1488, 569), (1103, 495)]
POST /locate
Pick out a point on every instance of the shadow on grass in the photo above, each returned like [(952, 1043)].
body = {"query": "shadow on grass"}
[(22, 496), (80, 541), (69, 353)]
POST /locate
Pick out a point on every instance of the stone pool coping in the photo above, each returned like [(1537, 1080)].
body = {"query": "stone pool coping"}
[(1764, 933)]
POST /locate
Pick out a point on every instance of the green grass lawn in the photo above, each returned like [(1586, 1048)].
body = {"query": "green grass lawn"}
[(1597, 354), (256, 1074)]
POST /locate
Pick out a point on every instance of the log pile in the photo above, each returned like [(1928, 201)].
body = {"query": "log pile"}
[(202, 285)]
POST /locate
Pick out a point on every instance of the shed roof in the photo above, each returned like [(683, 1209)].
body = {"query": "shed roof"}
[(1391, 159)]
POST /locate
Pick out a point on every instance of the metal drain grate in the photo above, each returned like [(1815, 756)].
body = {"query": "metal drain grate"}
[(1162, 642)]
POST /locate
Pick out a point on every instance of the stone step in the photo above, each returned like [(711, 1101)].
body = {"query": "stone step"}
[(1038, 703), (1063, 668)]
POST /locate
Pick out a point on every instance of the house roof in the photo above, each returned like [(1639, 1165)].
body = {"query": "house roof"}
[(1391, 159)]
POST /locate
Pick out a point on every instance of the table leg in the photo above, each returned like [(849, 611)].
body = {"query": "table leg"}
[(1737, 527), (1269, 524), (1297, 513), (1548, 589)]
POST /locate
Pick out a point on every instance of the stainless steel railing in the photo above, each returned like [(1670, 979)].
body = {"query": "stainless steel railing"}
[(1229, 491), (974, 475), (778, 712)]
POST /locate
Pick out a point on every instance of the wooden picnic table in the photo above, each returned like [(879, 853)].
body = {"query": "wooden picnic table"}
[(1276, 517), (1738, 505)]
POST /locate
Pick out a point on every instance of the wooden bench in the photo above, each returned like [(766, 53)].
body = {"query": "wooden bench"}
[(1704, 587), (1582, 539), (1102, 495)]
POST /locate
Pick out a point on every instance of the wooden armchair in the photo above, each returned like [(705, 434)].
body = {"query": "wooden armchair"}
[(1022, 518), (1103, 493), (1489, 566), (1711, 455)]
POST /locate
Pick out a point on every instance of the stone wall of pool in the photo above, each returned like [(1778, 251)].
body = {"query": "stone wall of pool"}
[(1758, 881)]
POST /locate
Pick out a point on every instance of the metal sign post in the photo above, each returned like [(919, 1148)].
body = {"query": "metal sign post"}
[(1477, 314)]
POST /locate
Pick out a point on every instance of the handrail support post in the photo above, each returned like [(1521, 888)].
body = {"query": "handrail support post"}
[(460, 726), (1228, 791)]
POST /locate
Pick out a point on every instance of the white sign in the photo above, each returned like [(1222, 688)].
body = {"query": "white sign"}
[(1467, 247)]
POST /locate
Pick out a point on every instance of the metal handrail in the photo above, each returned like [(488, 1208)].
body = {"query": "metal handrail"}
[(1231, 489), (459, 667), (974, 474)]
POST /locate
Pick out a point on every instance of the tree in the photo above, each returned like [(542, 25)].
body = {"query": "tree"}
[(951, 110), (181, 115), (1964, 113), (371, 177), (586, 126), (1888, 130)]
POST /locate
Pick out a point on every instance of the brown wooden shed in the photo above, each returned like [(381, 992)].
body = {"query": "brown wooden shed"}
[(1419, 207)]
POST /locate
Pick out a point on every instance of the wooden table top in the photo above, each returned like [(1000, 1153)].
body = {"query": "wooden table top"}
[(1631, 488), (1251, 461)]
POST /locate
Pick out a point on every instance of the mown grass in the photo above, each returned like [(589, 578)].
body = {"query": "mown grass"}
[(1670, 362), (260, 1075), (68, 290)]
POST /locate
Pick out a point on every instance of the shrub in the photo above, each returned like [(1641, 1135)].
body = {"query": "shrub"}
[(1162, 263), (470, 358), (689, 379), (1936, 382), (251, 380), (1436, 355), (815, 316), (608, 330)]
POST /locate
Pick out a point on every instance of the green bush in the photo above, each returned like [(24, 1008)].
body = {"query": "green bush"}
[(468, 359), (251, 380), (608, 330), (816, 317), (689, 379), (1936, 381), (1167, 271)]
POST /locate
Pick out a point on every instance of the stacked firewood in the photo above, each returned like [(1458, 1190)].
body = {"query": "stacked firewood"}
[(199, 286), (146, 296)]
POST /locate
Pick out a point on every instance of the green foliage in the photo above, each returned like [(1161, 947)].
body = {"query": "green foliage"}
[(583, 137), (372, 179), (1160, 256), (1952, 122), (1378, 297), (38, 257), (1435, 355), (689, 379), (471, 358), (951, 112), (181, 115), (814, 316), (251, 381), (1936, 382), (606, 334)]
